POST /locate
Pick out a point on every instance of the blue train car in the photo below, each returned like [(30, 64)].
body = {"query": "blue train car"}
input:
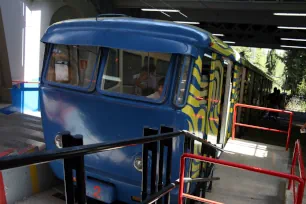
[(109, 78)]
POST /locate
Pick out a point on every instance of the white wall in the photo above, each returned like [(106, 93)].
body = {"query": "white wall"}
[(14, 19), (14, 22)]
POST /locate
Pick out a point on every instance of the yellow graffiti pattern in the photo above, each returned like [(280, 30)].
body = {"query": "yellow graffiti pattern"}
[(195, 111)]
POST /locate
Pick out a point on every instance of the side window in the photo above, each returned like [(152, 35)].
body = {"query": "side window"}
[(206, 66), (181, 87), (73, 65), (137, 75), (161, 68), (112, 72), (151, 61), (131, 62)]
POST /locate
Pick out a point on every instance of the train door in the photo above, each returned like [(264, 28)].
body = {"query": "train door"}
[(214, 98), (235, 92), (249, 90), (206, 66), (244, 91), (226, 99)]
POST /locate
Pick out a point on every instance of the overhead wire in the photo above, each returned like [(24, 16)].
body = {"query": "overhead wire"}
[(169, 6), (155, 8)]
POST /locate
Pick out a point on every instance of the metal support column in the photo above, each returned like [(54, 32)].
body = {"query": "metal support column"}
[(165, 145), (241, 92), (71, 165)]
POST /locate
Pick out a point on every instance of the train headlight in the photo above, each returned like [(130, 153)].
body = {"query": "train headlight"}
[(138, 163), (58, 141)]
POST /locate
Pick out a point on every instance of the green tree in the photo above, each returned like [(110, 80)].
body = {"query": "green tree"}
[(259, 59), (295, 69), (253, 55), (246, 51), (271, 62), (302, 88)]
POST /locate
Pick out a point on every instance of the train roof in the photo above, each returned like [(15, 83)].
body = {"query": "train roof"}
[(133, 33), (249, 65)]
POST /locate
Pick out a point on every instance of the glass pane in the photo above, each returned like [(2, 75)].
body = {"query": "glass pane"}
[(182, 80), (131, 62), (112, 70), (151, 61), (73, 65), (135, 76), (161, 66)]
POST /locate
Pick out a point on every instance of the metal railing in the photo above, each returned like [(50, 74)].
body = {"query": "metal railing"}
[(258, 127), (290, 177), (73, 156), (297, 156), (24, 82)]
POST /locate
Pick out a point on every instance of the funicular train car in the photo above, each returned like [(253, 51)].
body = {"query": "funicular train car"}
[(111, 78)]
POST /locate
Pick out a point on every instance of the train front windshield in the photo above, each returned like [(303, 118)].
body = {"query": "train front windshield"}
[(125, 73)]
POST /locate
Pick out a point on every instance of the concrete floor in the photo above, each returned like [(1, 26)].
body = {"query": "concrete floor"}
[(238, 186), (52, 196)]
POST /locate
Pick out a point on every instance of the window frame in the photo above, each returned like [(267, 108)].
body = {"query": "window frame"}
[(191, 65), (161, 100), (68, 86)]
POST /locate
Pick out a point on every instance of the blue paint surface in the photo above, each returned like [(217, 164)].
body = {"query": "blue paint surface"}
[(25, 99)]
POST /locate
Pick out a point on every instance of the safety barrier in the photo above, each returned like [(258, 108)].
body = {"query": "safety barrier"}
[(258, 127), (297, 155), (73, 157), (290, 177)]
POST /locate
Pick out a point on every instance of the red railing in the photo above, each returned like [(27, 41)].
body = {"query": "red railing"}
[(291, 177), (24, 82), (297, 155), (258, 127)]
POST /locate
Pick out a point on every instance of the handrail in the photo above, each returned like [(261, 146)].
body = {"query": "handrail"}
[(25, 82), (258, 127), (68, 152), (297, 155), (300, 180), (153, 198)]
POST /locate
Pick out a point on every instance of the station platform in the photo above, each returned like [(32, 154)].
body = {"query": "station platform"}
[(22, 134), (238, 186)]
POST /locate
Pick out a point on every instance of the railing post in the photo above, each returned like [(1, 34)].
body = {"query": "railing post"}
[(289, 131), (80, 173), (182, 174), (300, 192), (234, 122), (77, 164), (293, 165), (145, 152), (165, 143)]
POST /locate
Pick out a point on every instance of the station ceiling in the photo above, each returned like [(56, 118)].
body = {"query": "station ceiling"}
[(250, 23)]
